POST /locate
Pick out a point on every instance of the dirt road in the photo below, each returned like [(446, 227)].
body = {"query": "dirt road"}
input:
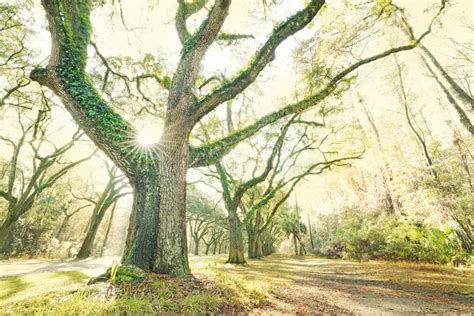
[(305, 285)]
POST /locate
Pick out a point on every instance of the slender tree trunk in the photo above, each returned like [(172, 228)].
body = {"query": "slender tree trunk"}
[(109, 226), (302, 247), (310, 233), (62, 229), (236, 244), (250, 239), (214, 249), (387, 173), (295, 244), (463, 117), (196, 246), (94, 224), (88, 243), (465, 163), (457, 89)]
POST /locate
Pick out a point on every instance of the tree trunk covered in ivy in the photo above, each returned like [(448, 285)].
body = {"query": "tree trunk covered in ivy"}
[(140, 246)]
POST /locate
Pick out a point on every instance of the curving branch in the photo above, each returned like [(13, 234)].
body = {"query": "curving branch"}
[(186, 10), (192, 53), (259, 61)]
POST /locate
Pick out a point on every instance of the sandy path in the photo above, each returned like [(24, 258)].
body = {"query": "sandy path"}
[(309, 286)]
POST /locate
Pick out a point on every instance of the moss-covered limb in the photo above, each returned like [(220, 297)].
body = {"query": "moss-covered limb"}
[(66, 76), (232, 38), (209, 153), (192, 53), (259, 61), (185, 10)]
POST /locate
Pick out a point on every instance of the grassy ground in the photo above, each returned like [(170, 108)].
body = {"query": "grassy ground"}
[(15, 287), (274, 285)]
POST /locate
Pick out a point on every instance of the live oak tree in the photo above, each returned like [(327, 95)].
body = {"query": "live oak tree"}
[(157, 232)]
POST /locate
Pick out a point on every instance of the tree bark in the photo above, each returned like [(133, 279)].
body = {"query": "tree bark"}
[(295, 244), (196, 246), (250, 240), (172, 249), (236, 243), (109, 227), (87, 245), (140, 246), (5, 230)]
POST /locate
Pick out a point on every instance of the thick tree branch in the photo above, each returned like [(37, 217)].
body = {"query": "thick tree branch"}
[(192, 53), (65, 75), (259, 61)]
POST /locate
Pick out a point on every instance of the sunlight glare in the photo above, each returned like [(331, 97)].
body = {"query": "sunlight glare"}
[(145, 139), (147, 136)]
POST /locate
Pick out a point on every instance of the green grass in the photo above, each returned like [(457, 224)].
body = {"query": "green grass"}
[(11, 286), (21, 287)]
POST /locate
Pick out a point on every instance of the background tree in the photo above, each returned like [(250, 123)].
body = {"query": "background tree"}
[(202, 217), (292, 225), (22, 185), (113, 191)]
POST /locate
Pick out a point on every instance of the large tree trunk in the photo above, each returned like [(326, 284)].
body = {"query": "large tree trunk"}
[(7, 226), (236, 243), (140, 246), (172, 249)]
